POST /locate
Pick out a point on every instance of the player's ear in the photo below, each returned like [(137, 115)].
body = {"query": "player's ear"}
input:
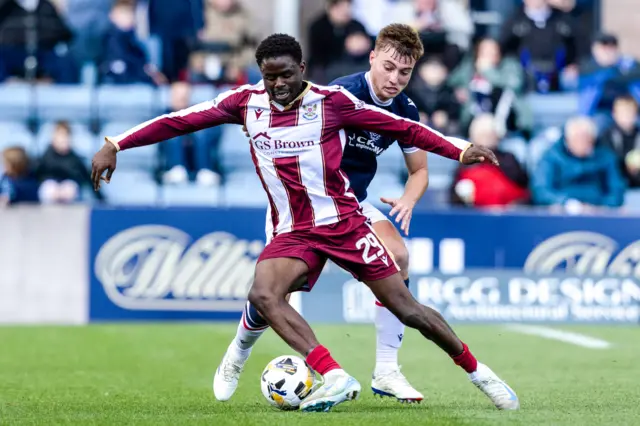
[(303, 67), (372, 56)]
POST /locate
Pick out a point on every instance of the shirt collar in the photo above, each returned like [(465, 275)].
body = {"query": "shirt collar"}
[(376, 99), (290, 104)]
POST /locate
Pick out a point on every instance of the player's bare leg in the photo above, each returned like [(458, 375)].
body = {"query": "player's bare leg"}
[(387, 380), (396, 297), (251, 326), (274, 279)]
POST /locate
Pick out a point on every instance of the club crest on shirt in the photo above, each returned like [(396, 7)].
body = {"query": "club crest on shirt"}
[(310, 111), (374, 136)]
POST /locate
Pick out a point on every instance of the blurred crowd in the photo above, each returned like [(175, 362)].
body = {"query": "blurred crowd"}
[(471, 83)]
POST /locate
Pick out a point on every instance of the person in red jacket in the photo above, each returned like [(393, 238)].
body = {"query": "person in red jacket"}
[(488, 185)]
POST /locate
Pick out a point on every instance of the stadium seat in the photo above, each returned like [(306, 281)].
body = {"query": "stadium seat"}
[(64, 102), (391, 161), (84, 142), (133, 102), (129, 187), (243, 189), (441, 171), (189, 195), (14, 133), (516, 146), (202, 94), (235, 154), (632, 200), (384, 185), (539, 145), (552, 109), (142, 158), (16, 101)]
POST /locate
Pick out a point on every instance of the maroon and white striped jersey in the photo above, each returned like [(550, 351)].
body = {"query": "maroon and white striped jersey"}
[(296, 149)]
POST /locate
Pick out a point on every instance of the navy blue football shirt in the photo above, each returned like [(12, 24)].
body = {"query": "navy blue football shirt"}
[(360, 158)]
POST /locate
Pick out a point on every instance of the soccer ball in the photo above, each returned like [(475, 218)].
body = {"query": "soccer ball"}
[(286, 381)]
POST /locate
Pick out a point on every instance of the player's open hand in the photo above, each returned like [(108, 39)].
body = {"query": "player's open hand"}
[(403, 208), (104, 160), (478, 154)]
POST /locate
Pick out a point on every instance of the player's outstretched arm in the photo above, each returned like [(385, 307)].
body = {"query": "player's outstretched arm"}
[(226, 108), (353, 112)]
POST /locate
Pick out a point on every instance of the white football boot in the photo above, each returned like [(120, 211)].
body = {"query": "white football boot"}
[(497, 390), (337, 387), (225, 381), (393, 384)]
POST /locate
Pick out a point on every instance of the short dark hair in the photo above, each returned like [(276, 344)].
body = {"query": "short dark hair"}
[(401, 38), (626, 100), (278, 45), (64, 125), (331, 3)]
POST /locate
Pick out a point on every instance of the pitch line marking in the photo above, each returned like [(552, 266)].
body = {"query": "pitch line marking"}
[(563, 336)]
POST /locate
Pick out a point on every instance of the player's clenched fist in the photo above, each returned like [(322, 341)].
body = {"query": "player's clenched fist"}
[(478, 154), (104, 160)]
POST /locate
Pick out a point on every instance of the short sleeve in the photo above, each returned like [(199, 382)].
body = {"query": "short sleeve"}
[(411, 112)]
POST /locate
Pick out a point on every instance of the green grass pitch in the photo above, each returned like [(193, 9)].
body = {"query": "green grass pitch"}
[(160, 374)]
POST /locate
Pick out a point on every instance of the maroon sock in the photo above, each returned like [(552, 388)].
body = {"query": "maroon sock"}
[(321, 360), (466, 360)]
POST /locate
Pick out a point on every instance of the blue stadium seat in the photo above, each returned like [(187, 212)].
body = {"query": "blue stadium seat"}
[(234, 149), (199, 93), (540, 144), (391, 161), (244, 189), (64, 102), (129, 187), (84, 142), (516, 146), (632, 200), (14, 133), (133, 102), (190, 194), (386, 185), (139, 158), (552, 109), (16, 101), (202, 94), (441, 171)]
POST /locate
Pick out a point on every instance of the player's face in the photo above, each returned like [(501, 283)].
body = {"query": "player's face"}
[(282, 78), (390, 72)]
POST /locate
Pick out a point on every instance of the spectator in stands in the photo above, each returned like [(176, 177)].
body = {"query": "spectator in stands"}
[(196, 152), (355, 59), (18, 183), (328, 35), (61, 170), (445, 27), (434, 98), (623, 137), (582, 13), (226, 44), (544, 40), (488, 83), (607, 75), (576, 174), (176, 24), (124, 60), (46, 41), (486, 185), (89, 21)]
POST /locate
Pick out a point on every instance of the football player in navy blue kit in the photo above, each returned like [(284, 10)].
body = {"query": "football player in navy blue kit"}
[(398, 47)]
